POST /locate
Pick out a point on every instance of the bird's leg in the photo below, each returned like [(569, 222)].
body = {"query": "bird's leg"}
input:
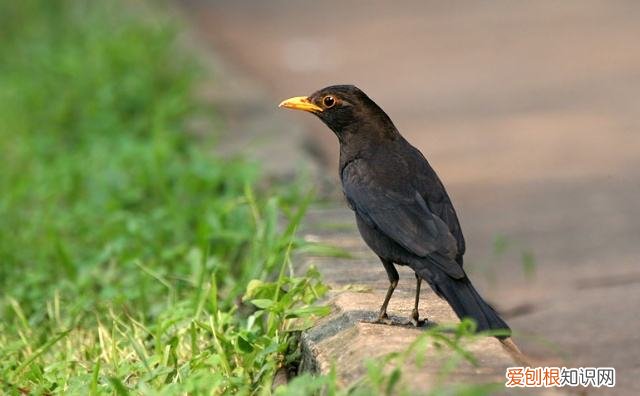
[(383, 317), (392, 273), (415, 315)]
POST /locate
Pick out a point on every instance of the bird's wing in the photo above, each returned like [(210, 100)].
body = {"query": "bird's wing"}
[(402, 216), (435, 195), (445, 211)]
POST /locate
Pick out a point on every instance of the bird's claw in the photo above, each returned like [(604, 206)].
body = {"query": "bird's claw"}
[(415, 319), (384, 319)]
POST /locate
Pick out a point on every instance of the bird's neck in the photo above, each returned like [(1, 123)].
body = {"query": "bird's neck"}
[(368, 133), (362, 146)]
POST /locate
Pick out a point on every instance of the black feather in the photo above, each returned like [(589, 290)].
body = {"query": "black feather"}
[(464, 299)]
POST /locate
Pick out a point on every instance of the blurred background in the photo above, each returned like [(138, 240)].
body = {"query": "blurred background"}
[(528, 111)]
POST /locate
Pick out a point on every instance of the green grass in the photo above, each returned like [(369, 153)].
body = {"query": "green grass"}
[(125, 247)]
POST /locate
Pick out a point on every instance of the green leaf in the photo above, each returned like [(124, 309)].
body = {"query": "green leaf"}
[(254, 286), (262, 303), (118, 386), (394, 378), (244, 345), (307, 311)]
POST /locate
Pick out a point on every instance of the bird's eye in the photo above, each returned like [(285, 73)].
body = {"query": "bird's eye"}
[(328, 101)]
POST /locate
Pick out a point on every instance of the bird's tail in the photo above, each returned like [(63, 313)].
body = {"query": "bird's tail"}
[(465, 300)]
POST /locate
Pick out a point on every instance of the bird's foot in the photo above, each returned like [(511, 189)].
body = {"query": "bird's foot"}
[(415, 319), (383, 318)]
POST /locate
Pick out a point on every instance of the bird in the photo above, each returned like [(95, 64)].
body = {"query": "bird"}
[(402, 209)]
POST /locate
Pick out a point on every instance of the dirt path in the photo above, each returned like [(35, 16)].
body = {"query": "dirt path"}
[(529, 112)]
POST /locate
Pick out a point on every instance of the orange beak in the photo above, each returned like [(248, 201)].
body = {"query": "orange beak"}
[(300, 103)]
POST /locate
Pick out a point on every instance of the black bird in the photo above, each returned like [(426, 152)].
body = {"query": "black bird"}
[(402, 209)]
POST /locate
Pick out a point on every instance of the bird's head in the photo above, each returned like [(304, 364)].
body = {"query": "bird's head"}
[(347, 111)]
